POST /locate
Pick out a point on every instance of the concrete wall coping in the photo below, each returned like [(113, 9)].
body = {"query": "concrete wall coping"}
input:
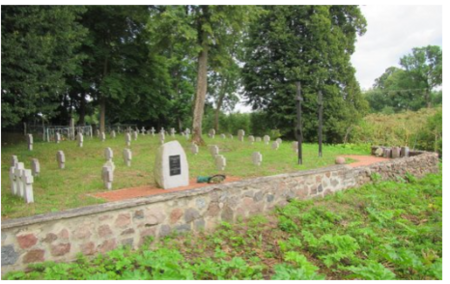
[(140, 201)]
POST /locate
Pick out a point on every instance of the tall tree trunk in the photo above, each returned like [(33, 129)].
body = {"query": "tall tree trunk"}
[(102, 99), (223, 89), (427, 98), (82, 111), (199, 104)]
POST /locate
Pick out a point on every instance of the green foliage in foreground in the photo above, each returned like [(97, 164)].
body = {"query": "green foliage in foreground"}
[(385, 230)]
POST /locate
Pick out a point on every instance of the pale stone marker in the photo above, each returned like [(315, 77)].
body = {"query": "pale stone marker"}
[(221, 162), (113, 134), (379, 152), (257, 158), (279, 141), (143, 130), (212, 133), (230, 136), (258, 139), (172, 132), (58, 137), (61, 159), (387, 153), (135, 135), (18, 172), (27, 180), (128, 139), (80, 139), (13, 179), (30, 142), (241, 134), (102, 136), (153, 131), (162, 137), (14, 160), (214, 150), (108, 154), (404, 152), (127, 156), (194, 149), (223, 136), (35, 167), (108, 174), (275, 145), (97, 131), (266, 139), (395, 152), (251, 138), (187, 131), (171, 166)]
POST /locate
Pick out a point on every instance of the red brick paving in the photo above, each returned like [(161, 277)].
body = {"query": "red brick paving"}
[(146, 190)]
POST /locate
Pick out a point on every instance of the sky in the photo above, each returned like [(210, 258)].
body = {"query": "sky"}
[(392, 32)]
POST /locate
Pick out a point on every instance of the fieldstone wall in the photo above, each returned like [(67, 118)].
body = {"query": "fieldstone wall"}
[(100, 228)]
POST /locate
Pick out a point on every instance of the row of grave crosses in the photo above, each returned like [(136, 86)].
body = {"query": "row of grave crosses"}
[(22, 179)]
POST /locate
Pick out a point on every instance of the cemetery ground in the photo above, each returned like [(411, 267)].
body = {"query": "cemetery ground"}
[(382, 230), (59, 189)]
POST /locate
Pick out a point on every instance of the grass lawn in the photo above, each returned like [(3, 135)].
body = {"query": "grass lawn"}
[(56, 190), (384, 230)]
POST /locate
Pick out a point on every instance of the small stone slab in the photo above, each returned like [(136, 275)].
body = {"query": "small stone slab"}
[(127, 156), (128, 139), (275, 145), (135, 135), (57, 137), (30, 142), (35, 167), (379, 152), (171, 167), (404, 153), (172, 132), (108, 174), (61, 159), (221, 162), (223, 136), (214, 150), (387, 153), (80, 139), (102, 136), (14, 160), (113, 134), (194, 149), (257, 158), (266, 139), (396, 152), (279, 141), (258, 139), (27, 179), (108, 154), (251, 138), (18, 173)]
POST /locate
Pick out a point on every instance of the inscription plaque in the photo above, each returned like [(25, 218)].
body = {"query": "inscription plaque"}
[(174, 165)]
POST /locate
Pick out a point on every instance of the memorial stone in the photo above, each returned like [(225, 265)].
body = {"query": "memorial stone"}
[(223, 136), (35, 167), (404, 152), (257, 158), (113, 134), (27, 180), (128, 139), (18, 172), (14, 160), (258, 139), (108, 174), (221, 162), (172, 132), (61, 159), (80, 139), (127, 156), (214, 150), (30, 142), (266, 139), (387, 153), (12, 179), (108, 154), (153, 131), (251, 138), (212, 133), (295, 146), (171, 167), (241, 134), (279, 141), (275, 145), (230, 136), (396, 152), (379, 152), (194, 149), (135, 135), (103, 136), (143, 130), (57, 137)]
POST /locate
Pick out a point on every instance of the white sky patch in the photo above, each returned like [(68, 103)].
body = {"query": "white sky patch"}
[(392, 32)]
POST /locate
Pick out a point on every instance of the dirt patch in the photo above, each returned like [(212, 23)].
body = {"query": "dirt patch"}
[(147, 190), (364, 160)]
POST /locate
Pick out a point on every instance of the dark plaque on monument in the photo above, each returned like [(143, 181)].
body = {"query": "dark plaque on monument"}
[(174, 165)]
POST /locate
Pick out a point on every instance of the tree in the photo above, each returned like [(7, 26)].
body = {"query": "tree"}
[(313, 45), (424, 68), (39, 49)]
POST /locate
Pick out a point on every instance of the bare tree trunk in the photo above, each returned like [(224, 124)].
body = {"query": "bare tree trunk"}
[(82, 110), (102, 99), (199, 104), (219, 104), (427, 99)]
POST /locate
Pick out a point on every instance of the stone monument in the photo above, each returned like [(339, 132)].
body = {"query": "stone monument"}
[(171, 166)]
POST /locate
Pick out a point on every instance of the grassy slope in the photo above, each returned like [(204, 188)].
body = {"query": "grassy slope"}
[(387, 230), (56, 189)]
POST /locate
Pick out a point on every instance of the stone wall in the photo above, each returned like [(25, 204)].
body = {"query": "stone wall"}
[(100, 228)]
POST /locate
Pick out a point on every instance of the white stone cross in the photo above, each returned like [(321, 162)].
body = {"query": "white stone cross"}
[(14, 160), (221, 162), (127, 156), (80, 139), (128, 139), (18, 172), (30, 142), (58, 137), (12, 179), (153, 131), (35, 167), (27, 179), (257, 158), (61, 159), (108, 154), (172, 132)]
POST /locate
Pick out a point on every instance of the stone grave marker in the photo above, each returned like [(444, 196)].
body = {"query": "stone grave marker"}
[(171, 166), (12, 179), (212, 133), (57, 137), (128, 139), (251, 138), (194, 149), (35, 167), (61, 159), (127, 156), (108, 154), (14, 160), (275, 145), (143, 130), (80, 139), (241, 134), (214, 150), (279, 141), (18, 173), (266, 139), (396, 152), (108, 174), (187, 131), (162, 137), (257, 158), (386, 153), (379, 152), (102, 136), (230, 136), (113, 134), (172, 132), (153, 131), (72, 129), (97, 133), (221, 162), (223, 136), (404, 152), (30, 142), (258, 139), (135, 135), (28, 180)]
